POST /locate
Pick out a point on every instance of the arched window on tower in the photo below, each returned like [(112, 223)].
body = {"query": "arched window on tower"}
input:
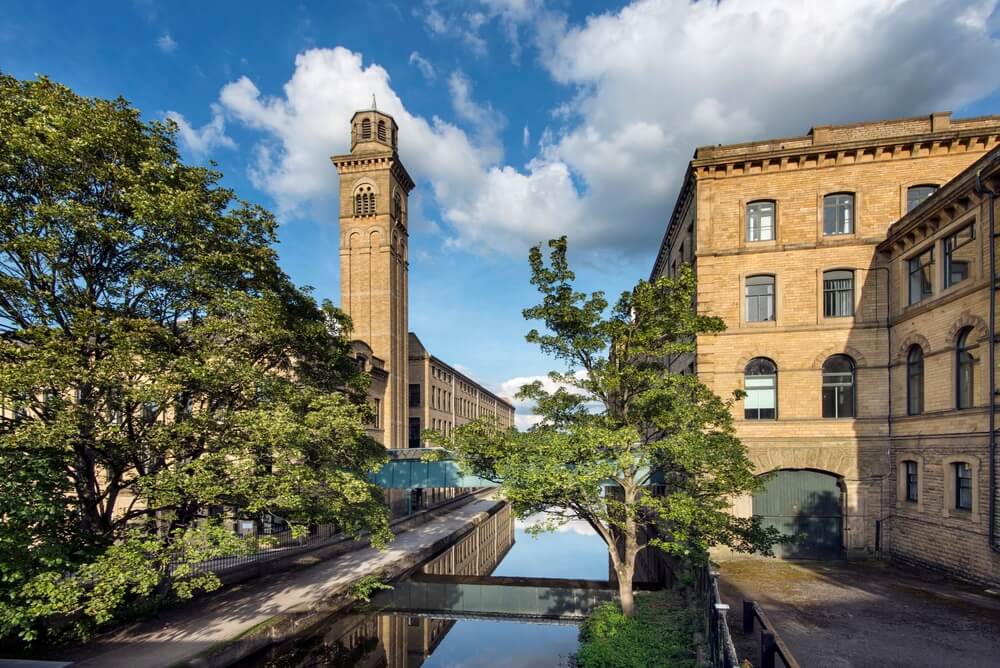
[(366, 129), (364, 201), (397, 207), (381, 130)]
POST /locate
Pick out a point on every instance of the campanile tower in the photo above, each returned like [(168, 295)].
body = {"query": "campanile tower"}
[(374, 187)]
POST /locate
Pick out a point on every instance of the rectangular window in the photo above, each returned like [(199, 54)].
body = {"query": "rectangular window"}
[(838, 294), (963, 486), (911, 481), (760, 298), (415, 395), (917, 194), (838, 214), (761, 402), (376, 413), (921, 276), (760, 221), (414, 432), (959, 253)]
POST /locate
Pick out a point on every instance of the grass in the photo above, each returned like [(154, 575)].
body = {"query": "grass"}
[(661, 634)]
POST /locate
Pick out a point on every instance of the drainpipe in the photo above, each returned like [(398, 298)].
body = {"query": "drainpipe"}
[(888, 370), (981, 190)]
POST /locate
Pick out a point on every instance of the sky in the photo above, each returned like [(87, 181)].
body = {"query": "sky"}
[(519, 120)]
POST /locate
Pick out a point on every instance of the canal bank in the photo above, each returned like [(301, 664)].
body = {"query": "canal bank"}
[(220, 628)]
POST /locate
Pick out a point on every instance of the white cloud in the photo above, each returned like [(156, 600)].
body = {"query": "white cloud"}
[(200, 141), (648, 84), (166, 43), (424, 65), (487, 122), (525, 137)]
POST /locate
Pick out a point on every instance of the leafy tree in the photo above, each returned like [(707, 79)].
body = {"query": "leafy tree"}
[(156, 365), (623, 442)]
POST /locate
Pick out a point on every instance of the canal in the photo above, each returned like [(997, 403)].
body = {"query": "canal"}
[(476, 603)]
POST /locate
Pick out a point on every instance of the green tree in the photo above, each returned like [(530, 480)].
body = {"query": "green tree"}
[(623, 443), (155, 364)]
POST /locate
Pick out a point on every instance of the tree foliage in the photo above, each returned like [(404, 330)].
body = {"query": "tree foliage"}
[(623, 442), (155, 365)]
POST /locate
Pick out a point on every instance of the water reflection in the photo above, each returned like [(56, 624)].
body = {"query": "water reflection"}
[(434, 618)]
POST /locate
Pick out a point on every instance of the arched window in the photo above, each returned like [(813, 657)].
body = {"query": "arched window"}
[(838, 214), (760, 381), (838, 387), (364, 201), (965, 365), (397, 206), (915, 381), (366, 129), (760, 221), (381, 130), (917, 194)]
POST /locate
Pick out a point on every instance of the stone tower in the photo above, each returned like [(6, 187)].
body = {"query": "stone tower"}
[(374, 188)]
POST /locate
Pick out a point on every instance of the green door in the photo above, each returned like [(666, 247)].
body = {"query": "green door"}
[(806, 505)]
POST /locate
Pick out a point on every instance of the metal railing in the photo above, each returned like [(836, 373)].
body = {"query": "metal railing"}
[(772, 647), (722, 652)]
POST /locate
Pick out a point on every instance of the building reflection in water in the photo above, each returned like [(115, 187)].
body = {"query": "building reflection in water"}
[(396, 640)]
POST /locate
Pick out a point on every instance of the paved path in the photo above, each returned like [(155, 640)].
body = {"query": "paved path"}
[(181, 634), (865, 614)]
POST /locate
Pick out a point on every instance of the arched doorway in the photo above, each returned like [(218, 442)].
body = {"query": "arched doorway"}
[(807, 504)]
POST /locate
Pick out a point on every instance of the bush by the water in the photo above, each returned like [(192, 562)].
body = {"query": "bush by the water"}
[(661, 634)]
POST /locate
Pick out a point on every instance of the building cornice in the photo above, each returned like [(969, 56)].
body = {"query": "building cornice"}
[(351, 163)]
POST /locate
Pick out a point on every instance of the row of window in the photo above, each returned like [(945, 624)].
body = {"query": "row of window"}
[(366, 129), (760, 381), (964, 365), (838, 213), (962, 477), (838, 295), (959, 254)]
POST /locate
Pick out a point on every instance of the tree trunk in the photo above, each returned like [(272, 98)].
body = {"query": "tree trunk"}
[(625, 571)]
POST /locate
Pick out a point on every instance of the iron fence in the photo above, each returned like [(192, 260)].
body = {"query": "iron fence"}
[(722, 652), (772, 647)]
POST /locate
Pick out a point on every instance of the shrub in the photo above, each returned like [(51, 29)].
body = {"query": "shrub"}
[(660, 634)]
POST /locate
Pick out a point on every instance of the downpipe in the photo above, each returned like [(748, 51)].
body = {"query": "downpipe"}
[(981, 190)]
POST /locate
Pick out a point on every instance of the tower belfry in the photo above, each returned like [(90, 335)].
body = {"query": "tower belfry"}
[(374, 188)]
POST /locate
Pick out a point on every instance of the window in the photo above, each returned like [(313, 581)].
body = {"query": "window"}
[(838, 214), (381, 131), (366, 129), (414, 395), (414, 440), (921, 271), (917, 194), (760, 221), (376, 413), (838, 387), (760, 380), (360, 360), (364, 201), (965, 365), (959, 252), (963, 486), (397, 207), (910, 470), (915, 381), (838, 293), (760, 298)]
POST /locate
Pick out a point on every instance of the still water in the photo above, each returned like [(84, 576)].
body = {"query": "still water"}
[(448, 615)]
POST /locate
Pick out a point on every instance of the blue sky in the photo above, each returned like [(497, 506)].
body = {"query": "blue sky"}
[(519, 119)]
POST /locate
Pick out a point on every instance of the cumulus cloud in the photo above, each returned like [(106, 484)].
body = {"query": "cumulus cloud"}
[(424, 65), (166, 43), (200, 141), (647, 85), (525, 417)]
